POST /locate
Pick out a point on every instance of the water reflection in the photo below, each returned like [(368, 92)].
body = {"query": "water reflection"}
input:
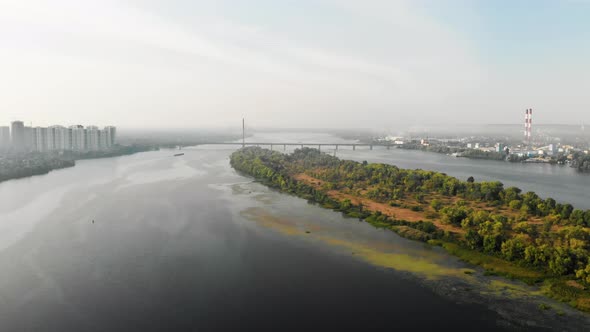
[(177, 245)]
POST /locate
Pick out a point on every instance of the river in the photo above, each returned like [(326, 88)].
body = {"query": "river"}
[(561, 182), (156, 242)]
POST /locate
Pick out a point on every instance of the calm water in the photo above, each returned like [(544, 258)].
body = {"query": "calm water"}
[(563, 183), (185, 243)]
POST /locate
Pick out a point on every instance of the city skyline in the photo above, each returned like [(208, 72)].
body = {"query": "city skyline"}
[(21, 138), (314, 64)]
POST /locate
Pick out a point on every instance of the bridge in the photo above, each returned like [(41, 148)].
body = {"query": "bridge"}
[(301, 144), (243, 143)]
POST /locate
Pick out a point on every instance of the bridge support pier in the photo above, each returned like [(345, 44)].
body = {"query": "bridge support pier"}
[(284, 147), (271, 147), (336, 147), (370, 147), (353, 147), (320, 147)]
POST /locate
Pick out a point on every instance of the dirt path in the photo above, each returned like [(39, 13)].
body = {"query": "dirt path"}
[(391, 211)]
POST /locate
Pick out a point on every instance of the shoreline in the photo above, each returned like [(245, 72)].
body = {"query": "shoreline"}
[(494, 156), (518, 306), (406, 217), (68, 161)]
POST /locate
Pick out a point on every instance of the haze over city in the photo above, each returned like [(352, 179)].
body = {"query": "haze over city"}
[(323, 63)]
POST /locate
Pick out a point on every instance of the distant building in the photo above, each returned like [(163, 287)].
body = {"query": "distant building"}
[(62, 138), (17, 133), (4, 137), (78, 134), (552, 149), (50, 138), (500, 147), (28, 139), (92, 138), (40, 139), (112, 135), (56, 138), (102, 139)]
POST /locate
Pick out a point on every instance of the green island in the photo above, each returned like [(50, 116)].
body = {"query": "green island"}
[(506, 232)]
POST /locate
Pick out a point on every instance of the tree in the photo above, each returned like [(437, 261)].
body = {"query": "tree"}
[(474, 240), (561, 262), (513, 249), (577, 217), (511, 194), (436, 204), (492, 233), (454, 215), (470, 179), (491, 243), (515, 204), (566, 211), (584, 274)]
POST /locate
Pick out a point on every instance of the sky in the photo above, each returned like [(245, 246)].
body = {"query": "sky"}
[(293, 63)]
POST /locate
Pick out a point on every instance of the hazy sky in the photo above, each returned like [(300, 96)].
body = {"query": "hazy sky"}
[(293, 63)]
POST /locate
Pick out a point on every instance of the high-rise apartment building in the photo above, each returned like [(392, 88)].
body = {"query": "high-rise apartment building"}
[(62, 138), (4, 137), (50, 138), (17, 135), (93, 138), (78, 133), (103, 139), (111, 135), (56, 138), (28, 139), (40, 136)]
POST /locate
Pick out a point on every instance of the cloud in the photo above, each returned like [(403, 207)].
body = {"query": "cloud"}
[(144, 60)]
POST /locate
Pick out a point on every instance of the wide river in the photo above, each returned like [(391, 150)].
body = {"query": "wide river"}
[(155, 242)]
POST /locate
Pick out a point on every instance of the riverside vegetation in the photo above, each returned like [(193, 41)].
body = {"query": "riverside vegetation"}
[(16, 166), (507, 232)]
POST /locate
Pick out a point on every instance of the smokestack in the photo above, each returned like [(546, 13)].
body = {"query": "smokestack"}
[(528, 125)]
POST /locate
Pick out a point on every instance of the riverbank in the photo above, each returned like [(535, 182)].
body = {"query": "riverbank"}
[(578, 160), (19, 166), (510, 234), (463, 153)]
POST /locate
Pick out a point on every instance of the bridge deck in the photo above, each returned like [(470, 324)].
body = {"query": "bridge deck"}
[(297, 144)]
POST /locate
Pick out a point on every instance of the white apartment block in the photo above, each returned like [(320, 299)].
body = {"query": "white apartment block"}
[(4, 137), (39, 139), (93, 138), (62, 138), (56, 138), (78, 133)]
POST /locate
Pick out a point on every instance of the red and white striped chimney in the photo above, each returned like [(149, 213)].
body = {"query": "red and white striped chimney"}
[(528, 124)]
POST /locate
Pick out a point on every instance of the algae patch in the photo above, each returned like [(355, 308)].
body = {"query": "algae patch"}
[(377, 254), (265, 219)]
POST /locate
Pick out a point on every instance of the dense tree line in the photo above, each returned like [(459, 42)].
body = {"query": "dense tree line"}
[(15, 166), (462, 152), (581, 161), (516, 226)]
